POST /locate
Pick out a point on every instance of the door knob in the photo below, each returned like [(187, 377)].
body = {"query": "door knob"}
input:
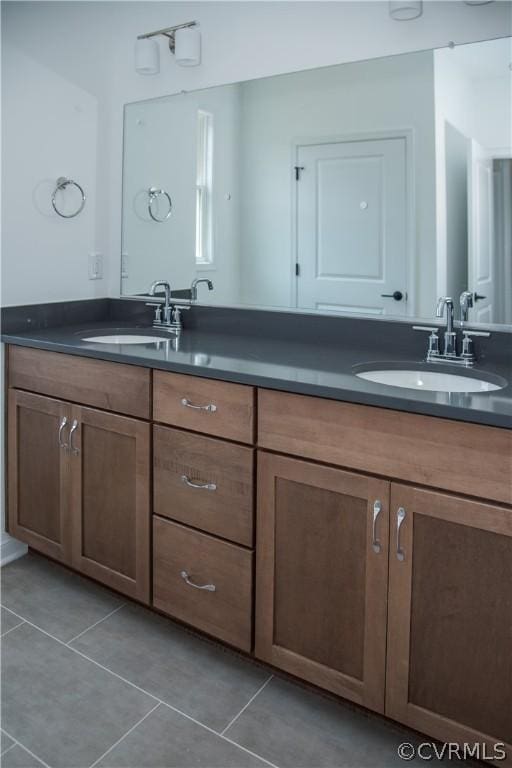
[(396, 295)]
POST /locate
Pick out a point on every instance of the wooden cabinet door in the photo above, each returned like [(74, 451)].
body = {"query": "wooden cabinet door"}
[(38, 468), (449, 671), (110, 484), (321, 576)]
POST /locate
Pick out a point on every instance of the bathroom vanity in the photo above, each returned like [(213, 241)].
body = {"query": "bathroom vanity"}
[(346, 537)]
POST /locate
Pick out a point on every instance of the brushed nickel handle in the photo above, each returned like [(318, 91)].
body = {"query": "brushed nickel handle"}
[(74, 450), (377, 509), (208, 587), (62, 426), (203, 486), (400, 517), (210, 408)]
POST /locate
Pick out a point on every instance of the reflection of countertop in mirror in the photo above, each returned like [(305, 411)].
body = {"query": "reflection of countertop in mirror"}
[(321, 369)]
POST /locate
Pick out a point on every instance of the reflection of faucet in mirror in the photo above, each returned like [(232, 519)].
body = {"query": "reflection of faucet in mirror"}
[(195, 283), (466, 302)]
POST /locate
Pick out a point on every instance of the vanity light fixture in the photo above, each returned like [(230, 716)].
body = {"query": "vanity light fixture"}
[(184, 43), (405, 10)]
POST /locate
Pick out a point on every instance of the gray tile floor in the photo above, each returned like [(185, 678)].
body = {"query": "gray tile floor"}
[(89, 680)]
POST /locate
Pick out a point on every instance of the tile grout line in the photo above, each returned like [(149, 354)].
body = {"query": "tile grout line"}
[(116, 743), (219, 735), (19, 744), (95, 624), (142, 690), (12, 628), (96, 663), (2, 754), (228, 726)]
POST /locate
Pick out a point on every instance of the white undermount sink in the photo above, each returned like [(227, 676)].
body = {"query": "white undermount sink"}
[(432, 381), (125, 339)]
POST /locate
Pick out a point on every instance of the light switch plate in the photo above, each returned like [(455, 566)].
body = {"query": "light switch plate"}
[(95, 266)]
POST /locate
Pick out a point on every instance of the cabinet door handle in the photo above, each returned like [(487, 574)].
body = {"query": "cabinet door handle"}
[(400, 517), (208, 587), (377, 509), (74, 450), (62, 426), (202, 486), (210, 408)]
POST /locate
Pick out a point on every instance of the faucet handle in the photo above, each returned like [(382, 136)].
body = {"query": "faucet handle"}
[(485, 334), (467, 343), (433, 339), (158, 310)]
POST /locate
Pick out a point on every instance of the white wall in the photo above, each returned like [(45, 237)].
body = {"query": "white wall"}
[(49, 129)]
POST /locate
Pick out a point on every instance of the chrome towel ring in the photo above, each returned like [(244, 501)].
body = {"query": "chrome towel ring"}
[(153, 194), (62, 183)]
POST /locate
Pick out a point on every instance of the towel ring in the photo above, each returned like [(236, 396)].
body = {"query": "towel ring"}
[(62, 183), (153, 194)]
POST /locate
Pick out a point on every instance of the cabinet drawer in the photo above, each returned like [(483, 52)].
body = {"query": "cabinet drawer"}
[(111, 386), (204, 482), (472, 459), (225, 612), (204, 405)]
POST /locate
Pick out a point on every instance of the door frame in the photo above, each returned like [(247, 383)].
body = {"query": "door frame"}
[(408, 134), (462, 511), (370, 691)]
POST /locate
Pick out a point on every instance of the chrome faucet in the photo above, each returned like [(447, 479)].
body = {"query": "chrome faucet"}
[(166, 320), (450, 336), (171, 320), (449, 355), (195, 283)]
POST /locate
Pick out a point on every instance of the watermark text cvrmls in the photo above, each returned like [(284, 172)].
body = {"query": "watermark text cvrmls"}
[(430, 750)]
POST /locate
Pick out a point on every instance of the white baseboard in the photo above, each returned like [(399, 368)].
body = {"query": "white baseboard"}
[(11, 549)]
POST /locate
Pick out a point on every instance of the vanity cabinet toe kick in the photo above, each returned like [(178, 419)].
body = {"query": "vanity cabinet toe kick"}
[(377, 544)]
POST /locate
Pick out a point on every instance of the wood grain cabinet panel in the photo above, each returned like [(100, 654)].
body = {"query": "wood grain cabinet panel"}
[(321, 576), (224, 611), (204, 405), (471, 459), (449, 671), (204, 482), (99, 383), (38, 472), (110, 458)]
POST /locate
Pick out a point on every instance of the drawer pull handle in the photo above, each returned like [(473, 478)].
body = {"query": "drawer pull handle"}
[(208, 587), (202, 486), (210, 408), (400, 517), (377, 509), (62, 426), (74, 450)]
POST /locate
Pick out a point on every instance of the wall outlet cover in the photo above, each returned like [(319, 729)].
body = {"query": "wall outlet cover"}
[(95, 266)]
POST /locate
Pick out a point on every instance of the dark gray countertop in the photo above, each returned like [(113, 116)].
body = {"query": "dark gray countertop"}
[(321, 369)]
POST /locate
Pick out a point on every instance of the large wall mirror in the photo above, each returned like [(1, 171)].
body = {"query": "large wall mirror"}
[(371, 187)]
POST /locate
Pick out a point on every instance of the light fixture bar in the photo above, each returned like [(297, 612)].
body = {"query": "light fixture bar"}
[(167, 31)]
